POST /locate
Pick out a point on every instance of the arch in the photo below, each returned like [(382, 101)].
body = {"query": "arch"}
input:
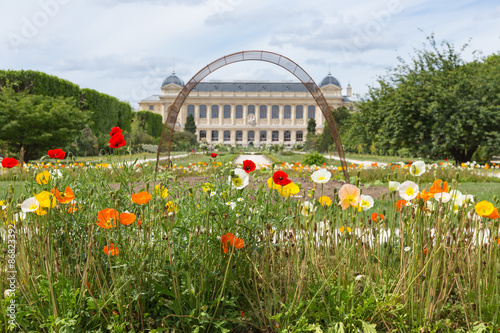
[(266, 56)]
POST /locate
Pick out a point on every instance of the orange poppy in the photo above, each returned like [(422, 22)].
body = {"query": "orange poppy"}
[(376, 217), (349, 195), (63, 197), (426, 195), (72, 208), (127, 218), (437, 187), (494, 215), (399, 205), (141, 197), (235, 242), (113, 250), (107, 218)]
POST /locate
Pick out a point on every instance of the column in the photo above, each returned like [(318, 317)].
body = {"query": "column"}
[(233, 113), (293, 114), (221, 111), (245, 114), (281, 114)]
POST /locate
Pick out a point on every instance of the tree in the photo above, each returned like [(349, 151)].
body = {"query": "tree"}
[(311, 126), (38, 123), (190, 125), (342, 118)]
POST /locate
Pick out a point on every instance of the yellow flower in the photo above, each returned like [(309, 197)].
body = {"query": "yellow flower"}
[(484, 208), (46, 201), (171, 207), (43, 177), (285, 191), (207, 187), (342, 229), (161, 191), (325, 201)]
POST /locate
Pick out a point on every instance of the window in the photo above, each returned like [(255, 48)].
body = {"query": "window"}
[(239, 136), (239, 111), (287, 113), (227, 135), (263, 112), (227, 111), (275, 112), (151, 107), (251, 136), (203, 134), (215, 135), (311, 111), (203, 111), (276, 136), (215, 111), (263, 136), (251, 109), (190, 109), (288, 136), (299, 112), (299, 135)]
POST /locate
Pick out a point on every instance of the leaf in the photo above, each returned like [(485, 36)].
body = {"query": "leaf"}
[(368, 328)]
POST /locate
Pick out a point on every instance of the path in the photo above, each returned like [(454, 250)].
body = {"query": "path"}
[(259, 160)]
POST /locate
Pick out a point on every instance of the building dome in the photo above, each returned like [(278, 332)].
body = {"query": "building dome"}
[(173, 79), (329, 79)]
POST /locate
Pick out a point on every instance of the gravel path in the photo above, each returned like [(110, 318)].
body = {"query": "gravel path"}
[(259, 160)]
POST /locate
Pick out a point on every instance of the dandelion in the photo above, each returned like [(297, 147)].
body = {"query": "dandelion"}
[(417, 168), (325, 201), (393, 186), (141, 197), (112, 251), (43, 178), (366, 202), (107, 218), (233, 241), (484, 208), (239, 180), (321, 176), (408, 190), (30, 205), (349, 196)]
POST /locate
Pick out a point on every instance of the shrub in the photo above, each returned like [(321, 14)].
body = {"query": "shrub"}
[(314, 159)]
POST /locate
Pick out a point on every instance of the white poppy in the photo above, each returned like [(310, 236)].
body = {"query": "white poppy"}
[(366, 202), (321, 176), (417, 168), (443, 197), (308, 208), (30, 205), (455, 194), (393, 186), (408, 190), (239, 180)]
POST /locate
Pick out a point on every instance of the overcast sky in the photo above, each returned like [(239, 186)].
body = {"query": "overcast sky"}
[(127, 48)]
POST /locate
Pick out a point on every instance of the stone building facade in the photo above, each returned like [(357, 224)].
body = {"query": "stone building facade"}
[(240, 112)]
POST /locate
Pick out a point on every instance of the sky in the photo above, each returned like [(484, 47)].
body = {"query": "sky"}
[(127, 48)]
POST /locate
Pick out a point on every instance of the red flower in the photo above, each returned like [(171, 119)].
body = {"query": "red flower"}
[(399, 205), (57, 153), (213, 155), (248, 166), (233, 241), (9, 162), (115, 130), (117, 141), (281, 178)]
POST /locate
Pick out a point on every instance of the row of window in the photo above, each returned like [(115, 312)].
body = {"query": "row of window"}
[(275, 111), (275, 135)]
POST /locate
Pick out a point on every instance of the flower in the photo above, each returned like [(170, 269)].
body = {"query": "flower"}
[(321, 176), (407, 249), (235, 242), (248, 166), (117, 141), (399, 205), (113, 250), (239, 180), (240, 199), (3, 204), (308, 208), (213, 155), (438, 188), (285, 191), (115, 130), (358, 277), (494, 215), (281, 178), (443, 197), (342, 229), (349, 195), (231, 204), (325, 201), (141, 198), (207, 187), (376, 217), (393, 186), (161, 191), (57, 153), (9, 162), (171, 207), (46, 201), (73, 207), (408, 190), (107, 218), (426, 195), (127, 218), (43, 177), (366, 202), (65, 197), (30, 205), (213, 193), (484, 208), (417, 168)]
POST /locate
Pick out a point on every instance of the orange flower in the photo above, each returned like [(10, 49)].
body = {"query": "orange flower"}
[(376, 217), (107, 218), (72, 208), (399, 205), (426, 195), (425, 251), (438, 188), (141, 197), (127, 218), (64, 197), (235, 242), (113, 250), (494, 215), (349, 195)]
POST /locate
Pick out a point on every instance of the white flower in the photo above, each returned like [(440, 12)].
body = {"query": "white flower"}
[(213, 193), (308, 208), (407, 249), (443, 197), (237, 215), (239, 180), (455, 194), (30, 205), (366, 202), (408, 190), (417, 168), (321, 176), (393, 186), (240, 199), (231, 204), (467, 199), (358, 277)]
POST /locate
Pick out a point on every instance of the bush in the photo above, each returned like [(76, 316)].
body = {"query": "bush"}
[(314, 159)]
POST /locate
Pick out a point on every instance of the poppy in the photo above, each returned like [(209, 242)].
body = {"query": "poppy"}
[(281, 178), (213, 155), (171, 207), (484, 208), (494, 215), (399, 205), (285, 191), (127, 218), (325, 201), (72, 208), (46, 201), (9, 162), (56, 153), (141, 197), (117, 141), (248, 166), (242, 313), (115, 130), (64, 197), (425, 251), (408, 190), (342, 229), (321, 176), (112, 251), (107, 218), (437, 187), (235, 242), (426, 195), (376, 217), (349, 195), (161, 191)]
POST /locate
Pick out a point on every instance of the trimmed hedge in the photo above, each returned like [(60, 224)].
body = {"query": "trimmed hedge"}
[(151, 122)]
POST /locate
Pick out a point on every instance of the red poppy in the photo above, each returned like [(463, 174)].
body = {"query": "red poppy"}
[(213, 155), (248, 166), (399, 205), (117, 141), (281, 178), (9, 162), (115, 130), (376, 217), (235, 242), (57, 153), (242, 313)]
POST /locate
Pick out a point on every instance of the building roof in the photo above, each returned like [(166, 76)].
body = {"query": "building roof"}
[(153, 98), (173, 79), (329, 79), (250, 86)]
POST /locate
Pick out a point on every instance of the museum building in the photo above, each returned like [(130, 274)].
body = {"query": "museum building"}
[(240, 112)]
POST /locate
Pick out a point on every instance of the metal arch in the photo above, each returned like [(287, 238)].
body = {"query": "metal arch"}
[(274, 58)]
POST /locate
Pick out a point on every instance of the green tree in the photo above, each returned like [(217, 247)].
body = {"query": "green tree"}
[(183, 141), (190, 124), (311, 126), (38, 123), (342, 118)]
